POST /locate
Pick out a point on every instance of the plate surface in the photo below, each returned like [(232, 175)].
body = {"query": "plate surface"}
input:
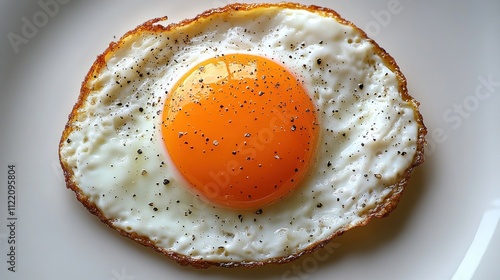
[(446, 226)]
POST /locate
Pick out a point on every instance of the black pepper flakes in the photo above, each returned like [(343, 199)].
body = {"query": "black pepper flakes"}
[(139, 151), (166, 182), (258, 212)]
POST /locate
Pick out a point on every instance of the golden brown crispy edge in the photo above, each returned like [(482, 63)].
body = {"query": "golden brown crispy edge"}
[(380, 211)]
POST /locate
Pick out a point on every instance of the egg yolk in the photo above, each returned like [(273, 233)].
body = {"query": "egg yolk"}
[(240, 129)]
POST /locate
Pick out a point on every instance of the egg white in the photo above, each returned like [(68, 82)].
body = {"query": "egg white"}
[(368, 136)]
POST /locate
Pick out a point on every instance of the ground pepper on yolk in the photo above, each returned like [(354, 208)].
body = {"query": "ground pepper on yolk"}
[(240, 129)]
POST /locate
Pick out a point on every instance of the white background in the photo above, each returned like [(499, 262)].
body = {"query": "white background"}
[(445, 226)]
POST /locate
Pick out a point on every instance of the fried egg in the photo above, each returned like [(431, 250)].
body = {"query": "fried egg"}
[(248, 135)]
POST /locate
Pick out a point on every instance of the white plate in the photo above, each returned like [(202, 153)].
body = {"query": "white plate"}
[(445, 227)]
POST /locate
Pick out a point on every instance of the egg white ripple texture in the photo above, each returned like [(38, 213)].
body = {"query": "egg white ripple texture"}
[(363, 132)]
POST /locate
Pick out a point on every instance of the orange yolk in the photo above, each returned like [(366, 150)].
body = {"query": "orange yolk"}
[(240, 129)]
